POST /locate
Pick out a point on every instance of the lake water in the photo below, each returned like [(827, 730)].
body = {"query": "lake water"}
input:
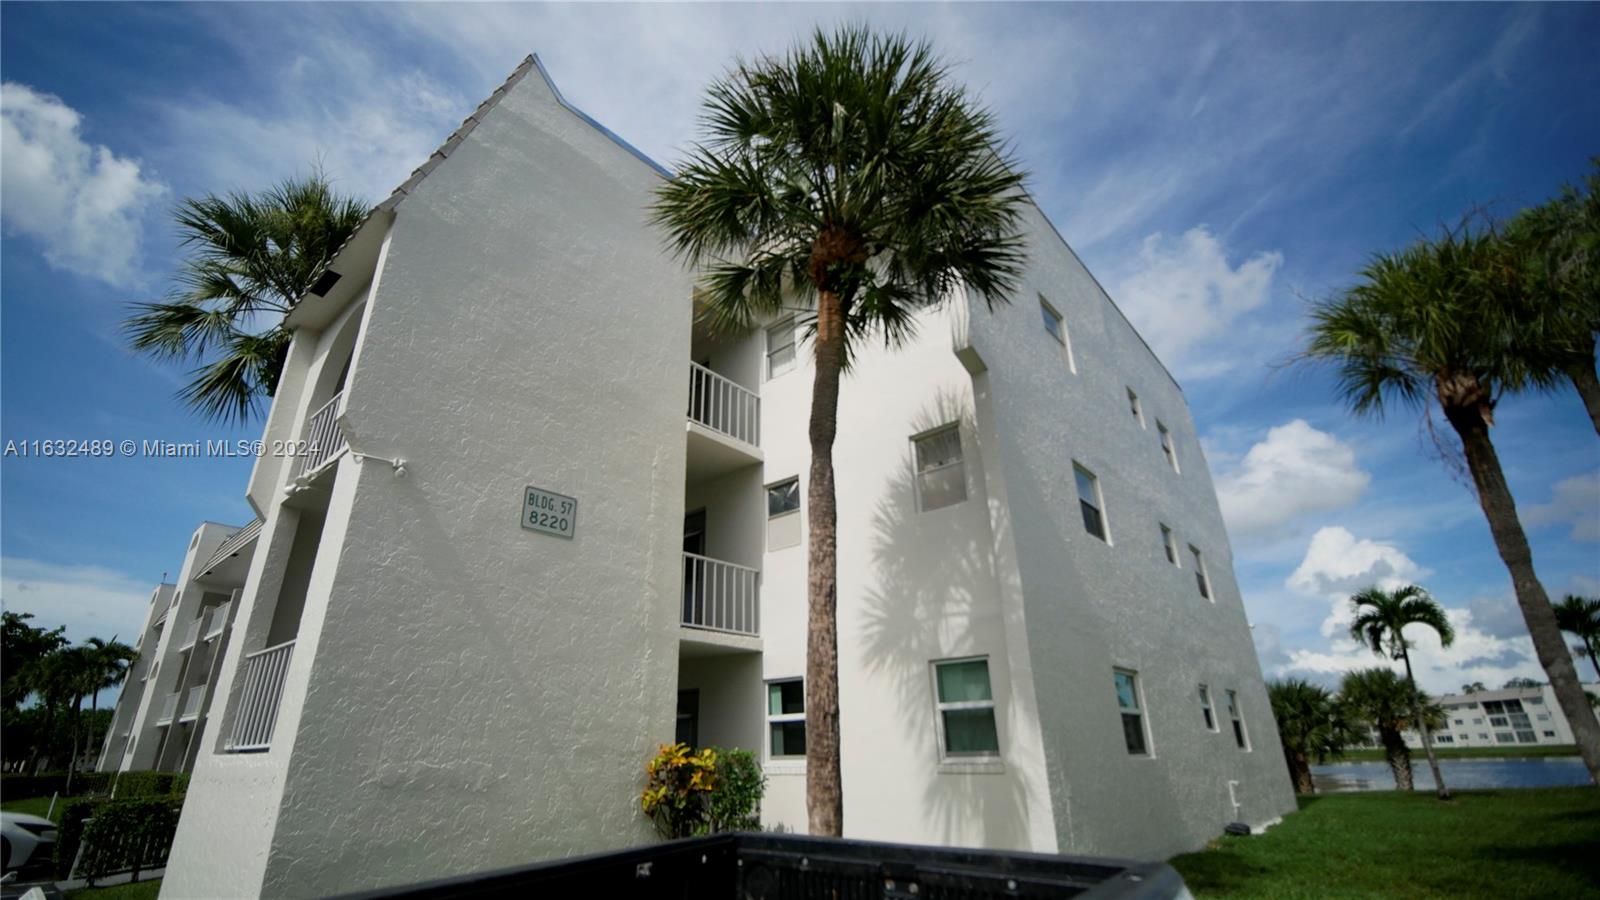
[(1565, 771)]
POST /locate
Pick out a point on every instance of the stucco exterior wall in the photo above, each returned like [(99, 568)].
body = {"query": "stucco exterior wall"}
[(1093, 605), (467, 676)]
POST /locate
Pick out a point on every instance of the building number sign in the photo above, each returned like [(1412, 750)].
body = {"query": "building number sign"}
[(549, 512)]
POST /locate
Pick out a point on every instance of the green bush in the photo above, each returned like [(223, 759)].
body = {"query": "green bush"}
[(128, 835), (734, 804), (144, 784), (71, 832), (692, 793), (17, 786)]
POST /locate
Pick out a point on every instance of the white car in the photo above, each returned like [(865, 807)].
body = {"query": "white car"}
[(25, 841)]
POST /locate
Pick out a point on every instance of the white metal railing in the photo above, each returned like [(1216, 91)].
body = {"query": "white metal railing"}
[(724, 406), (264, 674), (169, 708), (323, 436), (191, 634), (219, 620), (720, 596), (191, 703)]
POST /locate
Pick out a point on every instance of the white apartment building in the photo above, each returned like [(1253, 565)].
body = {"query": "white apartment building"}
[(166, 696), (546, 522), (1511, 716)]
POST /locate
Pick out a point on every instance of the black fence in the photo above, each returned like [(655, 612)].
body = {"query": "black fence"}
[(779, 867)]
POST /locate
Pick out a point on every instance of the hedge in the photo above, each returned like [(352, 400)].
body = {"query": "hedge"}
[(149, 784), (17, 786), (128, 835)]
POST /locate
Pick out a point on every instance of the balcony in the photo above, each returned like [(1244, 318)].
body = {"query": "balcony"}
[(219, 620), (192, 702), (724, 424), (721, 609), (262, 691), (323, 436), (191, 634), (169, 708)]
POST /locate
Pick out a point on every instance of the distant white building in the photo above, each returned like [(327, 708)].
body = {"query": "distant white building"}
[(1507, 717), (537, 522), (167, 693)]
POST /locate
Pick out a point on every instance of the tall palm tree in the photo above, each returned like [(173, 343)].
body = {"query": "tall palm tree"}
[(1311, 726), (108, 665), (852, 177), (1439, 323), (1580, 616), (1560, 243), (251, 257), (1380, 620), (1380, 698)]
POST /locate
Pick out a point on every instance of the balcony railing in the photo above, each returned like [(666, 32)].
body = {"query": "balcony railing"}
[(264, 674), (191, 634), (324, 437), (720, 596), (724, 406), (191, 703), (219, 620), (169, 708)]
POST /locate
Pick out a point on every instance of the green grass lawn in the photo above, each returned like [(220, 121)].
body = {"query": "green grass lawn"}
[(1504, 843), (37, 806), (1524, 752), (138, 890)]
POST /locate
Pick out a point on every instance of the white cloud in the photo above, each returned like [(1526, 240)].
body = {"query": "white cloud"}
[(90, 601), (82, 202), (1573, 501), (1337, 564), (1295, 470), (1183, 294)]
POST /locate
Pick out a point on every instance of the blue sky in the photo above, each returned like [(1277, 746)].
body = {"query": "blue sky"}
[(1213, 165)]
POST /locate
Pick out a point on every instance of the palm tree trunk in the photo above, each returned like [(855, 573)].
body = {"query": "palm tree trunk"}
[(1588, 385), (1494, 495), (94, 710), (1398, 757), (824, 788), (1593, 660), (77, 721), (1300, 768), (1422, 729)]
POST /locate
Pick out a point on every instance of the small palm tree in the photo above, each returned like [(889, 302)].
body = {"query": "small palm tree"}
[(1380, 621), (1580, 616), (1442, 322), (853, 178), (108, 665), (251, 258), (1560, 243), (1311, 726), (1380, 698)]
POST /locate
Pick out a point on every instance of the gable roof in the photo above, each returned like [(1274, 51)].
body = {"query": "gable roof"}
[(529, 63)]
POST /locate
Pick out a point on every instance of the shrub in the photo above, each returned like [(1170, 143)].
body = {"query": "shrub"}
[(692, 793), (676, 784), (128, 835), (144, 784), (71, 833), (17, 786), (734, 803)]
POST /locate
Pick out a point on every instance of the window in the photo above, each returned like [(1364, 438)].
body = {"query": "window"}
[(966, 708), (1445, 739), (1478, 721), (1543, 717), (1497, 721), (1057, 328), (1200, 573), (786, 718), (1089, 502), (783, 514), (780, 347), (1536, 701), (1482, 736), (1459, 722), (941, 475), (1239, 736), (1504, 737), (1169, 544), (1132, 715), (1526, 737), (1166, 445), (1133, 405), (1206, 710), (1549, 734)]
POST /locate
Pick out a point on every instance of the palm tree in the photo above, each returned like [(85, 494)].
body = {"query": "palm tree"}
[(1581, 617), (1311, 726), (109, 662), (850, 176), (1380, 698), (1560, 243), (1380, 620), (1438, 323), (251, 257)]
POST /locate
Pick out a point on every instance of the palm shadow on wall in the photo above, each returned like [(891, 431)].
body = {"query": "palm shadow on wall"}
[(935, 586)]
